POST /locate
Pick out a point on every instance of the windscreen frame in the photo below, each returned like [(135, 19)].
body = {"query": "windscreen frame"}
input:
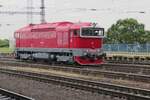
[(86, 36)]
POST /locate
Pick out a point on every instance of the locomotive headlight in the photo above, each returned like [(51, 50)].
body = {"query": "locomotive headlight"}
[(85, 53)]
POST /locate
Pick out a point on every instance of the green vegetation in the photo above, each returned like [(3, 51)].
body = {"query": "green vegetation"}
[(127, 31), (4, 43), (6, 50), (4, 46)]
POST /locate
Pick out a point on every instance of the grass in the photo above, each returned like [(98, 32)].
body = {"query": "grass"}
[(6, 50)]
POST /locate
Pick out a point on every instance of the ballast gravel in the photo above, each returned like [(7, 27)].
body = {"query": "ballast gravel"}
[(46, 91)]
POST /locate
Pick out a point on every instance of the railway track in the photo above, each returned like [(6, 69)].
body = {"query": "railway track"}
[(128, 68), (114, 59), (141, 62), (124, 72), (128, 93), (108, 66), (8, 95)]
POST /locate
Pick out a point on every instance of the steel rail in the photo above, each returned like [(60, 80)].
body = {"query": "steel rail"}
[(113, 90), (9, 95), (128, 68), (140, 62), (127, 65)]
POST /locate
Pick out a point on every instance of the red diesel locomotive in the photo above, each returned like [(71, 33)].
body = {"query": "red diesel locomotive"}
[(61, 42)]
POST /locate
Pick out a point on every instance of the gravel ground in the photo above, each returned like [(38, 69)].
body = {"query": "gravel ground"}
[(45, 91)]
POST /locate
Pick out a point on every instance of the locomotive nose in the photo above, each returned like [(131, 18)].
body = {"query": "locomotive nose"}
[(92, 45)]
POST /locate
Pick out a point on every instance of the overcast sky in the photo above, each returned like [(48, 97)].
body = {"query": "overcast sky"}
[(106, 12)]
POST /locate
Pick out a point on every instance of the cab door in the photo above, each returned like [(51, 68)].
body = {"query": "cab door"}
[(74, 38)]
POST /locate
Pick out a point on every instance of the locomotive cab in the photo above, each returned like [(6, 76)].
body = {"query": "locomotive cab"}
[(90, 40)]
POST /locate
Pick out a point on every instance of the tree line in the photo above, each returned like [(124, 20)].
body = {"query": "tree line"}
[(127, 31), (4, 43)]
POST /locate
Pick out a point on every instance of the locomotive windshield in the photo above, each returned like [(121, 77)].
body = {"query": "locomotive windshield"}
[(92, 32)]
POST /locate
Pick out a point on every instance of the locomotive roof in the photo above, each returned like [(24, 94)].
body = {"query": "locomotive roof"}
[(55, 25)]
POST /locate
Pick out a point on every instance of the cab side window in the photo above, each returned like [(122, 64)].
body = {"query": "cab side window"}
[(76, 32)]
